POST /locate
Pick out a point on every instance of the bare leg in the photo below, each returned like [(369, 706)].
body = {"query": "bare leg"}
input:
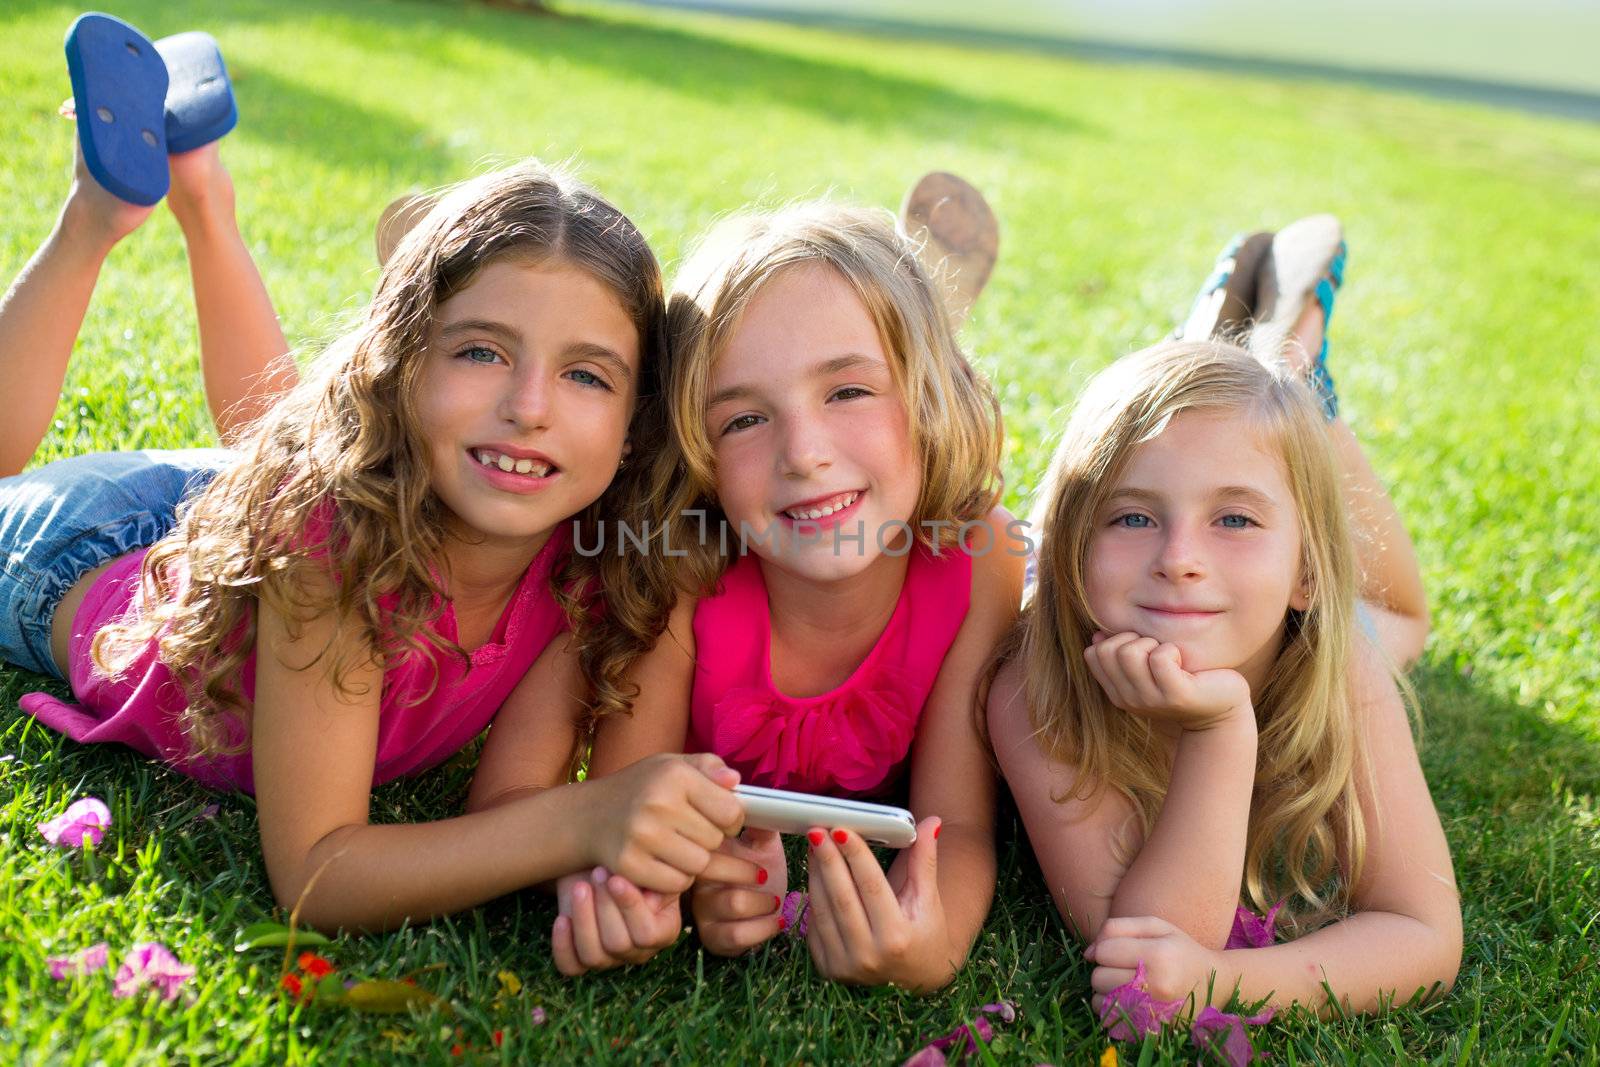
[(42, 312), (244, 359), (1391, 580)]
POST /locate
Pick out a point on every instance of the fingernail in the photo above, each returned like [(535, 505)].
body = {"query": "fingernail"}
[(840, 837), (777, 902), (761, 876), (580, 891), (815, 837), (936, 830), (598, 875), (783, 924)]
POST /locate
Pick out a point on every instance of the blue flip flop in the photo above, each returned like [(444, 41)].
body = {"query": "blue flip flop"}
[(119, 90), (200, 106)]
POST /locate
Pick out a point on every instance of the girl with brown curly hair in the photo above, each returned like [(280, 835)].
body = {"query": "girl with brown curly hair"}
[(379, 562)]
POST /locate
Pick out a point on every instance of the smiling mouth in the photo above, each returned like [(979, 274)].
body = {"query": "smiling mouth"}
[(823, 508), (1180, 613), (531, 467)]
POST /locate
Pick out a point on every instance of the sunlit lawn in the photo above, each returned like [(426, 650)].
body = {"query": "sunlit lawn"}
[(1465, 347)]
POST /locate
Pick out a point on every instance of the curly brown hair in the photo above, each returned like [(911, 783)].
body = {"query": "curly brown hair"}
[(330, 506)]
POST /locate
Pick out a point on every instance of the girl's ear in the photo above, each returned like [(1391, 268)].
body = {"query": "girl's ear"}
[(1300, 596)]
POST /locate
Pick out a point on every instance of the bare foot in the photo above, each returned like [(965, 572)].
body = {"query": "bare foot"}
[(1305, 340), (201, 186), (397, 220), (957, 235), (92, 210)]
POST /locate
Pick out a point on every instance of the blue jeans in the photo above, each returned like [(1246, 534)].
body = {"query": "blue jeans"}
[(61, 521)]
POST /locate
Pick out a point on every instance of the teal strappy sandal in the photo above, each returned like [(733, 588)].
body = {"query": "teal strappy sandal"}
[(1307, 260), (1226, 297)]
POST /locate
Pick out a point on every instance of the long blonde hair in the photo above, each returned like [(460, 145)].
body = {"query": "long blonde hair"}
[(332, 489), (1305, 823), (953, 414)]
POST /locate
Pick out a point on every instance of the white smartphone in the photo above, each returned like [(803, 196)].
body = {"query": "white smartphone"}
[(795, 813)]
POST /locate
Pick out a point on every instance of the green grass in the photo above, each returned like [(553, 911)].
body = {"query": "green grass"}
[(1465, 348)]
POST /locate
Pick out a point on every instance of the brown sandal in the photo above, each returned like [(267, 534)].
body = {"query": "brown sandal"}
[(398, 219), (957, 237)]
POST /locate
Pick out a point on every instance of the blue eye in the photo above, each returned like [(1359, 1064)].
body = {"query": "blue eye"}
[(1133, 521), (1238, 522), (478, 354), (589, 378)]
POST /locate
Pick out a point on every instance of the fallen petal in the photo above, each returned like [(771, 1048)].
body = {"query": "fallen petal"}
[(1005, 1009), (1129, 1011), (927, 1056), (84, 823), (1224, 1034), (84, 961), (151, 965), (796, 913), (1254, 931), (314, 965), (538, 1016)]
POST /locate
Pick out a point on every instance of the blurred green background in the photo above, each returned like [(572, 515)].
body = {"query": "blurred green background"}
[(1464, 346)]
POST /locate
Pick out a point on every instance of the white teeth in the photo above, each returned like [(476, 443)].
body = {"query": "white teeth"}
[(506, 463), (823, 512)]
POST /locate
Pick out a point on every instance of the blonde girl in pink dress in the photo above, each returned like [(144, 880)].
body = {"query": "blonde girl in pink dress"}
[(827, 424)]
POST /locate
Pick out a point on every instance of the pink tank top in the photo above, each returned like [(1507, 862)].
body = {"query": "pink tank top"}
[(140, 709), (853, 740)]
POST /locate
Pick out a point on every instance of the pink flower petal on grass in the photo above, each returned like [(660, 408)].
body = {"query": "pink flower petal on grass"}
[(1223, 1033), (1129, 1011), (151, 965), (538, 1016), (83, 823), (964, 1038), (796, 913), (1254, 931), (84, 961)]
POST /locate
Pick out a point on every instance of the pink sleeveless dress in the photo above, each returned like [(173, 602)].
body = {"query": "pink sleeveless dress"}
[(851, 741), (417, 729)]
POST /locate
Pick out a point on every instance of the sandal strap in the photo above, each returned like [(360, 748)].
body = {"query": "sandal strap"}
[(1320, 379)]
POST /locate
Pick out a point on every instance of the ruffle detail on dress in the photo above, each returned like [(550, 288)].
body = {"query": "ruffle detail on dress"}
[(847, 742)]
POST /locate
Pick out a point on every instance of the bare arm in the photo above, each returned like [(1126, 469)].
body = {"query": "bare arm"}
[(314, 747), (1098, 863), (1405, 934), (660, 719), (950, 772)]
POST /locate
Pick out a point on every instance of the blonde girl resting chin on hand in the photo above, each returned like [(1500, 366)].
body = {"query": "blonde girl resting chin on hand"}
[(825, 419), (1196, 700), (353, 593)]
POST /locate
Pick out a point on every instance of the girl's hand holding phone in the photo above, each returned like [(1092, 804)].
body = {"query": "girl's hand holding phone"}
[(733, 918), (659, 822), (863, 930)]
